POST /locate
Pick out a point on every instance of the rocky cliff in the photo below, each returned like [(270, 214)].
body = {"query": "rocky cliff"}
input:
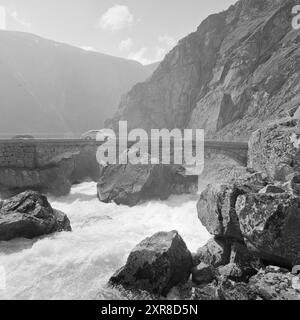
[(239, 70)]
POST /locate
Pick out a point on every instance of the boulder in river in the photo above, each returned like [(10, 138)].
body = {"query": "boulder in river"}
[(130, 184), (29, 215), (156, 265)]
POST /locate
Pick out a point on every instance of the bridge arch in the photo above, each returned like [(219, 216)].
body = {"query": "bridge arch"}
[(238, 151)]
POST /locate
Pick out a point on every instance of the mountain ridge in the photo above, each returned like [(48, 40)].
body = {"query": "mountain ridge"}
[(52, 88)]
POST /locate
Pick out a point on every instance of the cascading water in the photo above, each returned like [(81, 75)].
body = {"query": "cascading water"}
[(78, 264)]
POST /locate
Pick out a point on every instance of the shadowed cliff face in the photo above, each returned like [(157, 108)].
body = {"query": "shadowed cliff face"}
[(238, 70)]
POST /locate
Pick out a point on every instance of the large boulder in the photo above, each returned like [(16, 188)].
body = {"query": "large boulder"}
[(29, 215), (270, 225), (275, 150), (267, 221), (156, 265), (216, 205), (130, 184), (216, 210)]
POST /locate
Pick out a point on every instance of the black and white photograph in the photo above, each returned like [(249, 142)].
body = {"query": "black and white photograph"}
[(149, 151)]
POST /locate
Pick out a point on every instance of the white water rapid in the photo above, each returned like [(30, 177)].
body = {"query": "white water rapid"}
[(78, 264)]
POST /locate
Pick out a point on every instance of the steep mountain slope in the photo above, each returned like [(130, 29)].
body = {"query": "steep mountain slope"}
[(240, 69), (53, 88)]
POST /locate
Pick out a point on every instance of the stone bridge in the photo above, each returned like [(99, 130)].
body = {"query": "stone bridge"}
[(37, 153), (53, 165), (237, 151)]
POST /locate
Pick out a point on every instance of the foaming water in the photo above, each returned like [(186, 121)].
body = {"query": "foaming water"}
[(78, 264)]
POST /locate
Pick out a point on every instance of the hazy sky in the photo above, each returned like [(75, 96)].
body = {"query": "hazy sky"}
[(143, 30)]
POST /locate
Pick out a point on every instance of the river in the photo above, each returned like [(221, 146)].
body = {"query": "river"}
[(78, 264)]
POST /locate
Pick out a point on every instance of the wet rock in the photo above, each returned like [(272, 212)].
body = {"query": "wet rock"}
[(29, 215), (131, 184), (270, 225), (156, 265)]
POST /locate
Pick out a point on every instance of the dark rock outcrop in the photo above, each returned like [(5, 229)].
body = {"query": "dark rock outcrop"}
[(29, 215), (131, 184), (156, 265)]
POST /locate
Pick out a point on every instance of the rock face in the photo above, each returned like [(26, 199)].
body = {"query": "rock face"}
[(216, 206), (216, 211), (156, 265), (238, 71), (270, 225), (275, 283), (131, 184), (29, 215), (275, 150)]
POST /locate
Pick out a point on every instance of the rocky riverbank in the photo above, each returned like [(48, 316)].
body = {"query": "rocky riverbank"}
[(255, 226)]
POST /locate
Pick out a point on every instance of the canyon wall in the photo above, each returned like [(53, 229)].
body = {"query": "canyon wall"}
[(236, 73)]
